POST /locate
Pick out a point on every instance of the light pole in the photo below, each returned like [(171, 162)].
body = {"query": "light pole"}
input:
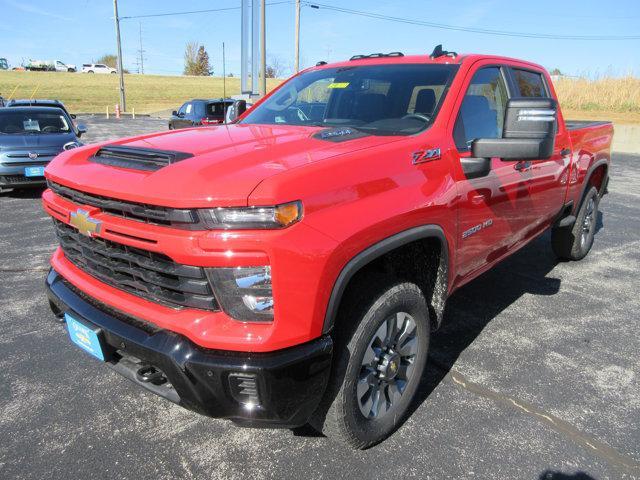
[(297, 62), (123, 103), (263, 16)]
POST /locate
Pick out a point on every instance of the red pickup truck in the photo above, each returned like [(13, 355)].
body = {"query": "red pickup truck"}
[(288, 268)]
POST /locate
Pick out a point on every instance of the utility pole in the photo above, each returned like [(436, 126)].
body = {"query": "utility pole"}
[(141, 51), (263, 17), (297, 66), (224, 79), (123, 104)]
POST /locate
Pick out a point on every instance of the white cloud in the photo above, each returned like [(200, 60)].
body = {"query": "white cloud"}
[(36, 10)]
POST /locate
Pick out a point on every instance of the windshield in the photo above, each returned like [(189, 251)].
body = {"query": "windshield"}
[(398, 99), (23, 122)]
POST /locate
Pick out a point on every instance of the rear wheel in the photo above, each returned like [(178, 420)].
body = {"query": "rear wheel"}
[(380, 355), (574, 242)]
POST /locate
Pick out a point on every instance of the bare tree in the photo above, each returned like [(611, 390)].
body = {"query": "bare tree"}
[(276, 68), (191, 58)]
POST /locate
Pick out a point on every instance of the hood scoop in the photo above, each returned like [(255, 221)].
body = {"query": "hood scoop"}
[(137, 158)]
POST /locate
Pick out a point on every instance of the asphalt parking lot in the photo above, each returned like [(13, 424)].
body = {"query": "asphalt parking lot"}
[(535, 374)]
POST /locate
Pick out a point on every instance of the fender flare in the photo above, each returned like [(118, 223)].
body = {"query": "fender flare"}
[(439, 294), (587, 179)]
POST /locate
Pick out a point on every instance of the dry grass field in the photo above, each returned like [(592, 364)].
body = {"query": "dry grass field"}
[(90, 93), (616, 99)]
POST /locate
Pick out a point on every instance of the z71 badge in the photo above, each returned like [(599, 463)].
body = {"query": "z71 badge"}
[(422, 156)]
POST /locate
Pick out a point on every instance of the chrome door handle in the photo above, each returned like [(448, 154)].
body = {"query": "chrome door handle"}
[(523, 166)]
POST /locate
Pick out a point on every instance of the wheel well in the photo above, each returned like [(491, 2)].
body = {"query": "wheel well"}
[(422, 262), (597, 177)]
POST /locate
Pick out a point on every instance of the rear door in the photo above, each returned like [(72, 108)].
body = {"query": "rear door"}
[(546, 179), (492, 209)]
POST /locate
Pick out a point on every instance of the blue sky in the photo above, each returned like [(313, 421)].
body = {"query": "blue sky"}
[(77, 31)]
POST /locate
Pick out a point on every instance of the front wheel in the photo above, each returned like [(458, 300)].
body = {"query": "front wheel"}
[(574, 242), (380, 354)]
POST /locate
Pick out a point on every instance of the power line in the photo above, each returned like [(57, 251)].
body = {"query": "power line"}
[(482, 31), (171, 14)]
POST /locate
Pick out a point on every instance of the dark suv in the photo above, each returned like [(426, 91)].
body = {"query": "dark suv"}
[(198, 112)]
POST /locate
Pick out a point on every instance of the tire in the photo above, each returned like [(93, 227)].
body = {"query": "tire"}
[(351, 410), (574, 242), (90, 71)]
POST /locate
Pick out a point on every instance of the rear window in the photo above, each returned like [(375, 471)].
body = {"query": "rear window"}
[(216, 109), (530, 84)]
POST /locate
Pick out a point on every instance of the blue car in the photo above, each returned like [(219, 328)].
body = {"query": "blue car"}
[(30, 137)]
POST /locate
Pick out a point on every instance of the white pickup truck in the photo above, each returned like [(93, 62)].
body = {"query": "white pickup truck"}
[(50, 66)]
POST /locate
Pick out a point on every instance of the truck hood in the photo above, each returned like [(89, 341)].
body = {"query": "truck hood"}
[(228, 162)]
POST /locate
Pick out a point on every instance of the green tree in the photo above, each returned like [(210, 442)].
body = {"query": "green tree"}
[(202, 62), (196, 60)]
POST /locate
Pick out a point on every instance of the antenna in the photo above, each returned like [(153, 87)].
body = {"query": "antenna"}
[(140, 61), (439, 52)]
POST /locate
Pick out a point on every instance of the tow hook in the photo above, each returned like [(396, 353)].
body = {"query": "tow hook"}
[(150, 374)]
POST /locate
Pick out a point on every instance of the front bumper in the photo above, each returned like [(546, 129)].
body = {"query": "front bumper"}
[(18, 180), (289, 383)]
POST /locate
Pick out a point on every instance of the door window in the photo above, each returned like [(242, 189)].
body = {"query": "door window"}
[(183, 109), (482, 111), (530, 84), (189, 108)]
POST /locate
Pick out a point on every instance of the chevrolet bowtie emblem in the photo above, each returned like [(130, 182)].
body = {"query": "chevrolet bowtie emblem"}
[(84, 223)]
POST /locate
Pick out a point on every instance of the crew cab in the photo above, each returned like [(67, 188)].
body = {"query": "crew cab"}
[(30, 137), (288, 268)]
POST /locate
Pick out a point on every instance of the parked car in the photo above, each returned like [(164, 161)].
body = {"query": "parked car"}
[(39, 102), (199, 112), (30, 137), (50, 66), (97, 68), (290, 267)]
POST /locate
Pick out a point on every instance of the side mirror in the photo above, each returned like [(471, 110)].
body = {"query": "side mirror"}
[(81, 129), (73, 115), (174, 113), (236, 109), (529, 132)]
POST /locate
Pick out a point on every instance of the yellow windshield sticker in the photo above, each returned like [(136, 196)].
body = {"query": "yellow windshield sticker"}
[(339, 85)]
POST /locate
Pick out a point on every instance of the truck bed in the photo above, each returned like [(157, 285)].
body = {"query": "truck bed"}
[(576, 124)]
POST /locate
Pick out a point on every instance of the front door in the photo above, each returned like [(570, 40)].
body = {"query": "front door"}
[(492, 210)]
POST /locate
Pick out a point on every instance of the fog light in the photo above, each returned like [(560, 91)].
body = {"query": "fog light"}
[(244, 293)]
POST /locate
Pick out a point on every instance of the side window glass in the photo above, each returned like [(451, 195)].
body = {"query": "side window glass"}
[(189, 108), (183, 109), (530, 84), (482, 111)]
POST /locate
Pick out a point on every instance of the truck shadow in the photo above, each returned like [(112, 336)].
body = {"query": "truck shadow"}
[(470, 309)]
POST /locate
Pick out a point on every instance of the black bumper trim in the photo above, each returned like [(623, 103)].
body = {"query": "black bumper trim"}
[(290, 382)]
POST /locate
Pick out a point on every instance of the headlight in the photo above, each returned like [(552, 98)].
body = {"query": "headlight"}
[(244, 293), (279, 216)]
